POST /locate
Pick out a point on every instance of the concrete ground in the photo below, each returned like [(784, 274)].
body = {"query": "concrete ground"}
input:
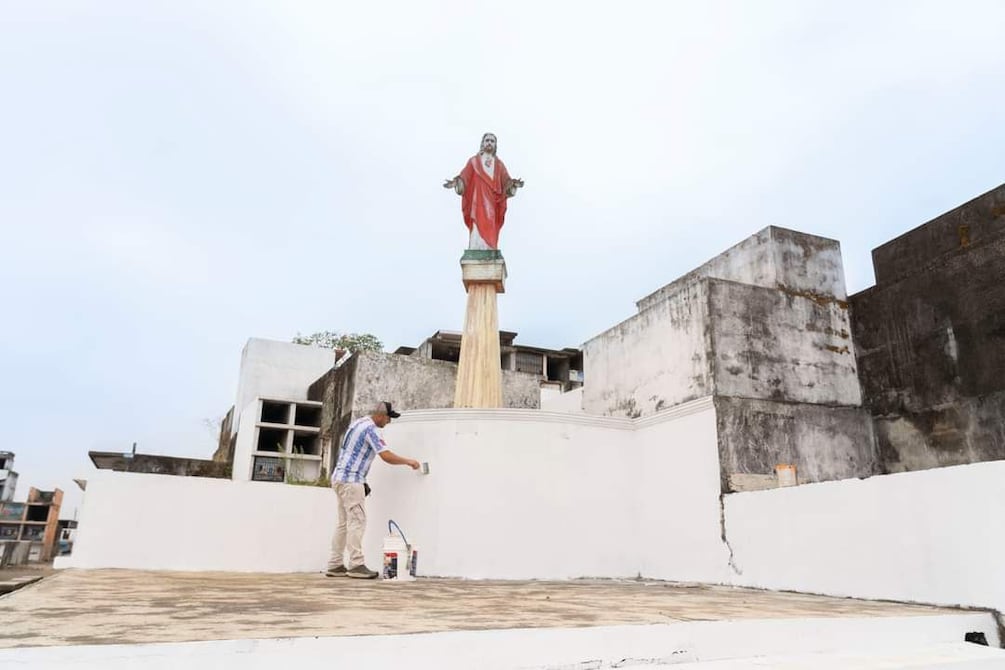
[(34, 570), (12, 579), (98, 607)]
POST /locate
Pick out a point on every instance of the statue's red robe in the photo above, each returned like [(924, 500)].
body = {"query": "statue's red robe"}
[(484, 200)]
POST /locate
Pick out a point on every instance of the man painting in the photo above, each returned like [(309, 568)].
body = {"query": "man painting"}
[(484, 185), (362, 443)]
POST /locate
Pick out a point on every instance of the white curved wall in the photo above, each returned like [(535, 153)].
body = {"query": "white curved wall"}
[(518, 494), (512, 494)]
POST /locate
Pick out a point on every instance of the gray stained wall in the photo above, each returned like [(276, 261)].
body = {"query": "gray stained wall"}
[(823, 442), (764, 328), (778, 344), (161, 465), (930, 340), (766, 319), (786, 385), (408, 382)]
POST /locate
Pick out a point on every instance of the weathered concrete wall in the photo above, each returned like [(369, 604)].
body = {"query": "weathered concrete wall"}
[(775, 344), (773, 258), (165, 465), (408, 382), (972, 223), (935, 336), (335, 390), (421, 383), (721, 337), (969, 430), (765, 329), (225, 440), (931, 344), (656, 359), (521, 390), (824, 443), (765, 319)]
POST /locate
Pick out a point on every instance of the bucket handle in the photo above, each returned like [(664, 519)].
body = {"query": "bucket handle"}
[(390, 522)]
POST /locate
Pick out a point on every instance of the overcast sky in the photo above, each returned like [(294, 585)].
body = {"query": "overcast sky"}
[(176, 177)]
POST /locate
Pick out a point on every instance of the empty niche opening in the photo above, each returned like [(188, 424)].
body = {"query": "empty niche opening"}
[(446, 352), (306, 443), (275, 412), (308, 415), (271, 439), (558, 369), (37, 513)]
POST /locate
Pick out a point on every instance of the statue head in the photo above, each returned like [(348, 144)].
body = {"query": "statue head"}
[(488, 144)]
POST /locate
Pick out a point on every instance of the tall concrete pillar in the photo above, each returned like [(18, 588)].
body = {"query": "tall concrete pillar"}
[(479, 377)]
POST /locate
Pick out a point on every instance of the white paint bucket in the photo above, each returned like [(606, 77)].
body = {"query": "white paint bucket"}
[(399, 557)]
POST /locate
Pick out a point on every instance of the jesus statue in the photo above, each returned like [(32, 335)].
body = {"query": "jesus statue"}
[(484, 185)]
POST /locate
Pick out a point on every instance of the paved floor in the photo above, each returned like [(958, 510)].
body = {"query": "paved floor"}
[(124, 606), (32, 570), (12, 579)]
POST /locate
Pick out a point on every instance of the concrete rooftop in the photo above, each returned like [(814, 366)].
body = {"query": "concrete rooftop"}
[(99, 607)]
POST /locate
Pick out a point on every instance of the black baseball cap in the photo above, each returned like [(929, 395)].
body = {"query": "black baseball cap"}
[(384, 407)]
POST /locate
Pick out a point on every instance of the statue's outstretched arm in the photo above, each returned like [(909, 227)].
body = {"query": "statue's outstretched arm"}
[(512, 186), (456, 183)]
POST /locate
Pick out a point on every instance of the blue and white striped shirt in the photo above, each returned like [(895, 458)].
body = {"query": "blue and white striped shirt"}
[(359, 447)]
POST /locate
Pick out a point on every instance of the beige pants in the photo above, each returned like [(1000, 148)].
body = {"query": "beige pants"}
[(351, 524)]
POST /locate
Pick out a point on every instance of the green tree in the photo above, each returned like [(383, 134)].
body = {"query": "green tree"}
[(350, 341)]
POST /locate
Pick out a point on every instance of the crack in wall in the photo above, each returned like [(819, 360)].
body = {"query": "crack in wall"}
[(725, 540)]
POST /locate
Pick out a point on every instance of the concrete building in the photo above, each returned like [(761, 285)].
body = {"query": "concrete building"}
[(29, 531), (425, 377), (763, 329), (294, 401), (8, 478), (930, 340), (562, 368)]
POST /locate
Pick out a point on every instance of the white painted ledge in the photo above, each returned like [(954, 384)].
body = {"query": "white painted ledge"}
[(600, 647)]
